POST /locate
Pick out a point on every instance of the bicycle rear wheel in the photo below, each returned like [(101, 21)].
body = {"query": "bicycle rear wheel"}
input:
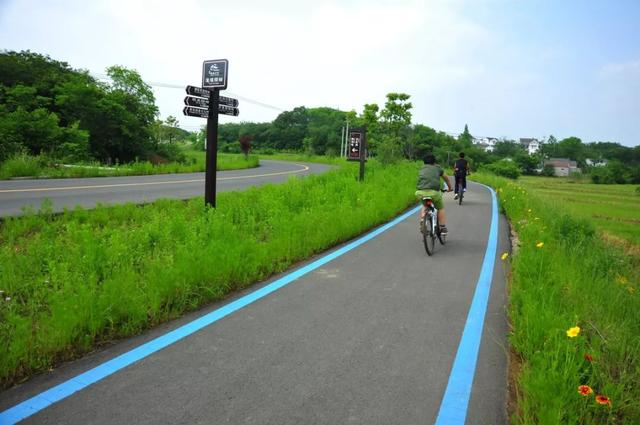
[(428, 237), (442, 238)]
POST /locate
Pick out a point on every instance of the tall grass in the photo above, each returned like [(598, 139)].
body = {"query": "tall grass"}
[(84, 277), (563, 276), (28, 166)]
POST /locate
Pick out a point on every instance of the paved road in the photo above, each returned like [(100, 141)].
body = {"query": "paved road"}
[(88, 192), (368, 338)]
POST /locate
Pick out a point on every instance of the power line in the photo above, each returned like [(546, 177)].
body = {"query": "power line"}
[(181, 87)]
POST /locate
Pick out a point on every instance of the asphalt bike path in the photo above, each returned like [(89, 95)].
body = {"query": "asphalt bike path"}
[(369, 337), (88, 192)]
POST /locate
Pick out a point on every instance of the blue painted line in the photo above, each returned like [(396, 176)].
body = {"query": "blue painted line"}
[(453, 409), (77, 383)]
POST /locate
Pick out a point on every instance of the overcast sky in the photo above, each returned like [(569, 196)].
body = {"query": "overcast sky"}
[(506, 68)]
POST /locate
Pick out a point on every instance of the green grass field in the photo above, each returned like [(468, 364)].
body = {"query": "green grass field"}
[(563, 278), (72, 281), (612, 208), (27, 166)]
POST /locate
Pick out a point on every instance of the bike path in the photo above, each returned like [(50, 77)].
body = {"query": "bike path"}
[(368, 338)]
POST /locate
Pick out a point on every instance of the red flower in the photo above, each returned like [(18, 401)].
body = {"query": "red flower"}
[(585, 390), (601, 399), (588, 357)]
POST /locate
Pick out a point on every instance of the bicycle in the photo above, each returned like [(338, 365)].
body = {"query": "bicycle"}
[(430, 227)]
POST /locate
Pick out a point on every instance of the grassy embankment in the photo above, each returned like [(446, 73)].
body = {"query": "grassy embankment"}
[(612, 208), (27, 166), (76, 280), (565, 276)]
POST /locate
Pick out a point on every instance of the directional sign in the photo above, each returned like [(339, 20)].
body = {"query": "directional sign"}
[(214, 73), (229, 101), (204, 113), (196, 101), (198, 91), (195, 112), (355, 144), (228, 110)]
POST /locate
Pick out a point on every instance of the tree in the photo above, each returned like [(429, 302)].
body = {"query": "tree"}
[(466, 139), (396, 117), (172, 127)]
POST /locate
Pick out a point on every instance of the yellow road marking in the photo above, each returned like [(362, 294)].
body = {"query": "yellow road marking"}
[(102, 186)]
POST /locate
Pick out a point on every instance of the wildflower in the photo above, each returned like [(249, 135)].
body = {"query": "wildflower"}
[(540, 244), (504, 256), (631, 289), (585, 390), (588, 357), (622, 280), (537, 218), (601, 399), (529, 210), (573, 332)]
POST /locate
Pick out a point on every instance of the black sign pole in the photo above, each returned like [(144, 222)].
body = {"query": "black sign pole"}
[(212, 149), (363, 150)]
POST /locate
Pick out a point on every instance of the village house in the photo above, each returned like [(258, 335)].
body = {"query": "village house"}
[(562, 167), (486, 143), (530, 145)]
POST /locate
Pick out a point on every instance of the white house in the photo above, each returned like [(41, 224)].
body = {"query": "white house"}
[(596, 162), (486, 143), (530, 145)]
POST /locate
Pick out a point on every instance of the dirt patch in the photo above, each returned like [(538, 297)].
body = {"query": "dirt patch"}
[(629, 248)]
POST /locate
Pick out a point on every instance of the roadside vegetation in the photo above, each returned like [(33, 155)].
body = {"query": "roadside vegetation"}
[(573, 311), (72, 281), (43, 167)]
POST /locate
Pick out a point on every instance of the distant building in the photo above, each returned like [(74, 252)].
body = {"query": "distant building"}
[(486, 143), (530, 145), (562, 167), (596, 162)]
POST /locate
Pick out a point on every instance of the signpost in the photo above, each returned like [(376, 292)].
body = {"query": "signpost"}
[(357, 147), (206, 102)]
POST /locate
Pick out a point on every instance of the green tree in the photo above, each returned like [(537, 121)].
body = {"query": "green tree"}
[(466, 139), (171, 127)]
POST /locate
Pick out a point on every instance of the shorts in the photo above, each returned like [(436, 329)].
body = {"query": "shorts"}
[(433, 194)]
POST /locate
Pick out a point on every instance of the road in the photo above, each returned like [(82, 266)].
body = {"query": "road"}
[(367, 335), (88, 192)]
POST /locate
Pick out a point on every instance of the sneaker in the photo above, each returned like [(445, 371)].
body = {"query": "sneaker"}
[(455, 196), (464, 190), (443, 230)]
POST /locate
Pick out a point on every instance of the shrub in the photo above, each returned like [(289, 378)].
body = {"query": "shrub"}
[(21, 165), (504, 168)]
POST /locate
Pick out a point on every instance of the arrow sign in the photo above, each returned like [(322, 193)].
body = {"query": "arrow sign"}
[(229, 101), (198, 91), (204, 113), (228, 110), (195, 112), (196, 101)]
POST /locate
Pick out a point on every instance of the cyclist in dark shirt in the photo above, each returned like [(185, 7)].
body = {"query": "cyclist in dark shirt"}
[(460, 171)]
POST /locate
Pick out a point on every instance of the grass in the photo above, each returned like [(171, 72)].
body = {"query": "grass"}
[(27, 166), (563, 276), (614, 209), (76, 280)]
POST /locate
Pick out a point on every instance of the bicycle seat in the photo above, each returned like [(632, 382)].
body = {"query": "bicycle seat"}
[(427, 200)]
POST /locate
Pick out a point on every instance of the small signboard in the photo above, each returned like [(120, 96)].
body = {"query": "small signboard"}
[(229, 101), (228, 110), (200, 102), (198, 91), (214, 74), (355, 146), (196, 112)]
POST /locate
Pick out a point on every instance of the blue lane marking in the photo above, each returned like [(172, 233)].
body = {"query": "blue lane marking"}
[(65, 389), (453, 409)]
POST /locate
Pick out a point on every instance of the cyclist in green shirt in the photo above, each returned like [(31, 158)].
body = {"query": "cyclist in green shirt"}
[(429, 185)]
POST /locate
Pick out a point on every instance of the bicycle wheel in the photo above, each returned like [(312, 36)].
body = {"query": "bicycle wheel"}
[(428, 237), (442, 238)]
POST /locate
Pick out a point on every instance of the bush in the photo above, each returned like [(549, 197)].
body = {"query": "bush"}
[(172, 153), (548, 171), (21, 165), (504, 168)]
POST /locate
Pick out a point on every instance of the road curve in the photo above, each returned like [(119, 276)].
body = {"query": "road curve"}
[(88, 192)]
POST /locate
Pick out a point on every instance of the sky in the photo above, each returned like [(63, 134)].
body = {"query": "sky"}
[(507, 68)]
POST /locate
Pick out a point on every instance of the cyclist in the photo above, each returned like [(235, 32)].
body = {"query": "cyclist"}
[(460, 171), (429, 185)]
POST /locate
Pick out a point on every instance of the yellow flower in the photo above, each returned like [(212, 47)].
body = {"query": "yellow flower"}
[(631, 289), (622, 280), (529, 210), (504, 256), (573, 332), (540, 244)]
